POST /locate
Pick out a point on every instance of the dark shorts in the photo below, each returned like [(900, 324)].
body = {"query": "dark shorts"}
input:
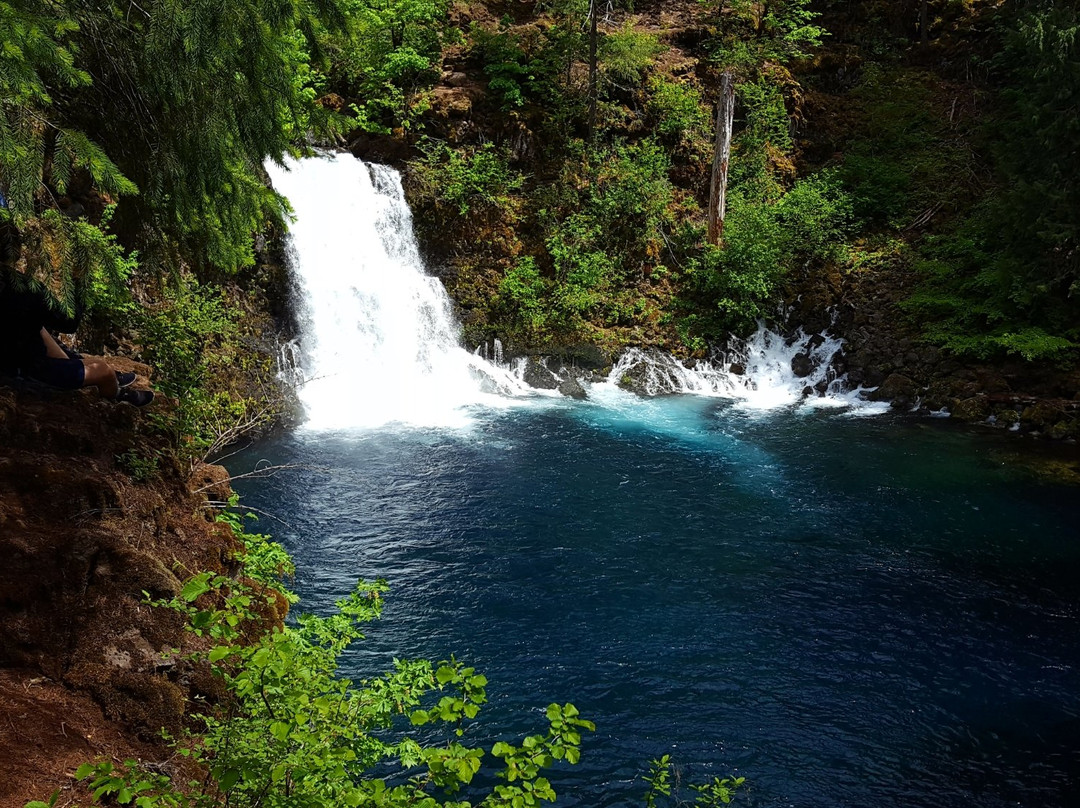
[(67, 374)]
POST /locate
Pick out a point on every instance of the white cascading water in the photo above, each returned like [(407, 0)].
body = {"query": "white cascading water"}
[(379, 341), (757, 372), (380, 345)]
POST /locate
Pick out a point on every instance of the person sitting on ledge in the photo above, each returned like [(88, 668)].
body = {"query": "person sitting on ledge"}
[(28, 349)]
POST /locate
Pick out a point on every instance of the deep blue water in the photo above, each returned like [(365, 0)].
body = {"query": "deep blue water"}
[(845, 611)]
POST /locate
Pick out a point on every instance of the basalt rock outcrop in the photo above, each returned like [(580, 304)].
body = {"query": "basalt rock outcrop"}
[(883, 350)]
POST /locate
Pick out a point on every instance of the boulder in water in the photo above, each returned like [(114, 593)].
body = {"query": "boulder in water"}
[(802, 365), (970, 409), (898, 389), (572, 388), (539, 375)]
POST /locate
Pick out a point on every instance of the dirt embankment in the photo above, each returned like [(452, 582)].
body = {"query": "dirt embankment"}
[(85, 666)]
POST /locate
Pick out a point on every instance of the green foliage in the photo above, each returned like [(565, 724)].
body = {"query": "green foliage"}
[(197, 96), (764, 139), (749, 33), (710, 795), (79, 263), (974, 302), (600, 237), (140, 466), (388, 53), (189, 331), (763, 240), (906, 145), (36, 61), (677, 112), (816, 216), (625, 55), (524, 291), (185, 103), (1005, 278), (462, 180), (521, 67)]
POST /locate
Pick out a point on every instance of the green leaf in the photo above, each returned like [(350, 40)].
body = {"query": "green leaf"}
[(195, 586), (445, 674), (280, 730), (228, 779)]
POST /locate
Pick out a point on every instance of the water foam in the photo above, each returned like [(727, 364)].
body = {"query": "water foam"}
[(758, 373), (379, 341)]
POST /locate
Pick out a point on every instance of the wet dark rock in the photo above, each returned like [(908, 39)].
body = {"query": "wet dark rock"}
[(737, 369), (586, 355), (802, 365), (1062, 430), (1007, 417), (975, 408), (808, 391), (1042, 414), (572, 388), (816, 341), (898, 389), (538, 375)]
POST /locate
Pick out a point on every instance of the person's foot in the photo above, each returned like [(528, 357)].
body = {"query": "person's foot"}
[(125, 378), (140, 398)]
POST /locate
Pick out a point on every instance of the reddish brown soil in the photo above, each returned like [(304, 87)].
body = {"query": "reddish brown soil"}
[(85, 669), (47, 731)]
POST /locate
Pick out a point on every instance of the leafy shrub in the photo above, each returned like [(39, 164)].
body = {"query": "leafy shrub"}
[(740, 282), (525, 291), (461, 180), (516, 71), (625, 55), (815, 215), (609, 229), (192, 339), (976, 301), (677, 110)]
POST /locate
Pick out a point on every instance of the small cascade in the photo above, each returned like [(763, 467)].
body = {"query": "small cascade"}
[(379, 340), (764, 372)]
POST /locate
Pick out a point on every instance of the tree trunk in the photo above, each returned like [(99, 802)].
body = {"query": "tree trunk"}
[(924, 24), (593, 13), (725, 116)]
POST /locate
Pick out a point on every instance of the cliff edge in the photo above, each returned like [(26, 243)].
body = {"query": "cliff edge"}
[(85, 530)]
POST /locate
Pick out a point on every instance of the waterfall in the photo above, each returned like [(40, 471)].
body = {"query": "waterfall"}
[(378, 343)]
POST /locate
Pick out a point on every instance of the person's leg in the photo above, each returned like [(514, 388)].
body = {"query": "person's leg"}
[(95, 374), (102, 376), (61, 370), (52, 347)]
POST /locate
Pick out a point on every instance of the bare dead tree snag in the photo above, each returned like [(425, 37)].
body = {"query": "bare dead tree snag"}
[(725, 117), (594, 12)]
